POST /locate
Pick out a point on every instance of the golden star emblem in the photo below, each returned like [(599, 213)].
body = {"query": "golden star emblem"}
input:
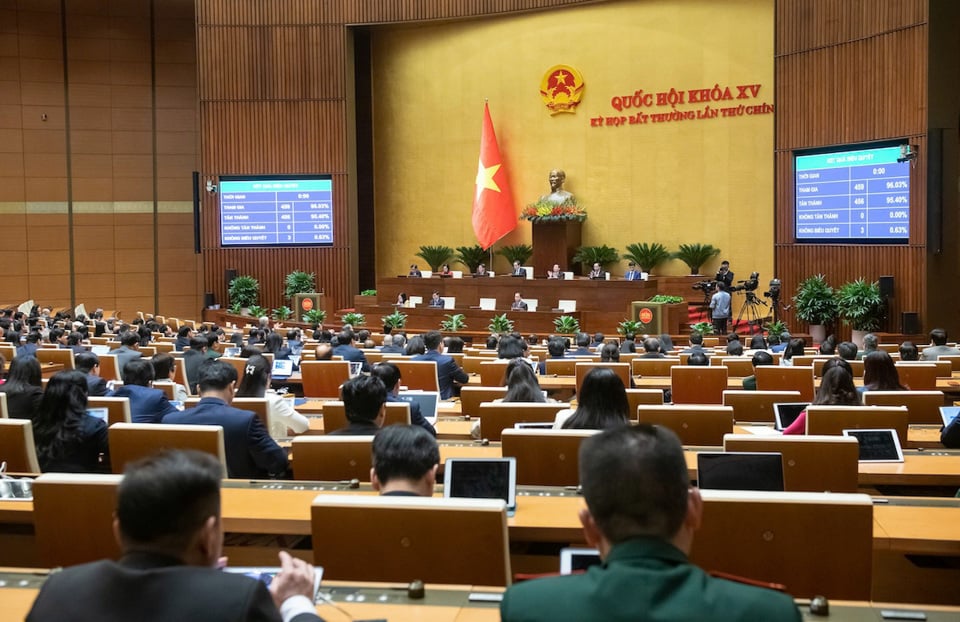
[(485, 177)]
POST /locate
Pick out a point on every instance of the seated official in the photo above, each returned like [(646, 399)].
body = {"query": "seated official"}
[(346, 347), (481, 270), (698, 359), (696, 344), (651, 349), (641, 515), (871, 343), (449, 375), (445, 270), (390, 375), (836, 389), (24, 387), (192, 359), (183, 338), (633, 274), (147, 405), (169, 528), (69, 440), (909, 352), (554, 272), (89, 363), (518, 270), (521, 383), (364, 400), (760, 357), (557, 349), (583, 345), (601, 403), (395, 344), (164, 371), (880, 373), (405, 462), (596, 272), (281, 414), (938, 346), (250, 452), (129, 349), (436, 302), (518, 303), (415, 271)]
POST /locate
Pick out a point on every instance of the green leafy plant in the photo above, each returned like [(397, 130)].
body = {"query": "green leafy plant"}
[(603, 255), (647, 256), (566, 325), (315, 316), (695, 255), (517, 252), (815, 301), (500, 324), (453, 322), (665, 299), (395, 320), (860, 304), (471, 256), (435, 256), (282, 314), (256, 311), (704, 328), (244, 290), (236, 308), (629, 327), (776, 328), (299, 282), (368, 292), (354, 319)]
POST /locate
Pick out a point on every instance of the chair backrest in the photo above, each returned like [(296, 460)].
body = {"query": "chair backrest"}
[(787, 542), (779, 378), (109, 368), (491, 372), (118, 408), (56, 355), (545, 457), (132, 441), (561, 367), (918, 377), (471, 362), (698, 385), (425, 537), (169, 388), (494, 418), (418, 375), (819, 361), (636, 397), (654, 367), (73, 518), (836, 419), (695, 425), (335, 415), (922, 406), (256, 405), (238, 364), (8, 351), (810, 463), (756, 405), (953, 358), (17, 446), (180, 374), (621, 369), (323, 378), (332, 458), (472, 397), (3, 406), (163, 346), (736, 367)]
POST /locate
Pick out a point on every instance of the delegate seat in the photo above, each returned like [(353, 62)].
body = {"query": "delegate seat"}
[(621, 369), (778, 378), (659, 368), (496, 417), (919, 376), (695, 425), (922, 406), (332, 458), (118, 408), (636, 397), (491, 372), (756, 405), (562, 367), (820, 361), (471, 398), (418, 375), (545, 457), (835, 419), (810, 463), (698, 385), (109, 370), (73, 518), (322, 379), (132, 441), (56, 355), (737, 367), (17, 447)]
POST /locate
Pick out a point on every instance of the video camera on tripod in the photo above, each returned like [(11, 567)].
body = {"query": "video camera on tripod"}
[(774, 292), (707, 287), (749, 285)]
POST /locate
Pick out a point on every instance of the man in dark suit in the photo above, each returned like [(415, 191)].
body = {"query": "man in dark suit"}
[(557, 349), (348, 351), (128, 350), (405, 462), (89, 363), (435, 302), (724, 275), (518, 303), (192, 359), (30, 347), (251, 453), (651, 349), (183, 338), (389, 373), (147, 405), (518, 270), (448, 372), (696, 344), (169, 528), (397, 341), (364, 400), (633, 274), (641, 515), (583, 346)]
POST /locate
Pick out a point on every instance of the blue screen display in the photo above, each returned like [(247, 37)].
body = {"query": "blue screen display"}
[(276, 211), (852, 196)]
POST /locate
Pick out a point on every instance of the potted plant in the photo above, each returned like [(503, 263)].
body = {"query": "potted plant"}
[(244, 290), (354, 319), (776, 328), (647, 256), (282, 314), (816, 304), (629, 327), (395, 320), (435, 256), (566, 325), (298, 282), (453, 322), (704, 328), (315, 316), (667, 299), (236, 309), (518, 252), (471, 256), (589, 255), (860, 305), (256, 311), (369, 292), (695, 255), (500, 324)]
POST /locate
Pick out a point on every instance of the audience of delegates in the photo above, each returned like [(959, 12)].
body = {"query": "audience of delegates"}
[(938, 346), (521, 383), (641, 516), (345, 348), (836, 389), (629, 344), (23, 387), (601, 403), (389, 374), (880, 373), (597, 342), (183, 338), (794, 348), (909, 352), (778, 343), (760, 357), (364, 400), (164, 372), (449, 374), (395, 344), (280, 412), (147, 405), (69, 440), (405, 462)]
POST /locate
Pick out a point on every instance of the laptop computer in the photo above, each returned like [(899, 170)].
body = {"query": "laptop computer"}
[(481, 478), (100, 413), (231, 351), (877, 445), (282, 369), (786, 413), (578, 559), (740, 471), (428, 401), (533, 425), (98, 350), (948, 414)]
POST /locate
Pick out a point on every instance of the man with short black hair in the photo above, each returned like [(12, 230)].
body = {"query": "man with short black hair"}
[(364, 400), (583, 345), (251, 452), (30, 345), (89, 363), (349, 352), (556, 348), (147, 405), (449, 373), (641, 516), (651, 349), (389, 373), (938, 346), (847, 350), (760, 357), (734, 348), (169, 527), (696, 344), (405, 462), (129, 349), (183, 338), (518, 303), (294, 342), (192, 359), (908, 351)]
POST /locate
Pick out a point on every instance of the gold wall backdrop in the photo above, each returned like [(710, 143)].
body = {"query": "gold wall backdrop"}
[(708, 181)]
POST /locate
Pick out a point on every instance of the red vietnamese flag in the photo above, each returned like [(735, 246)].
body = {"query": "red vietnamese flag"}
[(494, 215)]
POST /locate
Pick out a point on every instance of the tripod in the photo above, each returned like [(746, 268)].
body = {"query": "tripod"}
[(751, 309)]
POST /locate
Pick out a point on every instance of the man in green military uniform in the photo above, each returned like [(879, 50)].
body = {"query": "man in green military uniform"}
[(641, 514)]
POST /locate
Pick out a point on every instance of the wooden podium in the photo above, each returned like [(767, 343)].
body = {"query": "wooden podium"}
[(301, 303), (556, 242)]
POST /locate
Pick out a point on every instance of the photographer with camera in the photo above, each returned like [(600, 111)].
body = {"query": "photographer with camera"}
[(720, 309)]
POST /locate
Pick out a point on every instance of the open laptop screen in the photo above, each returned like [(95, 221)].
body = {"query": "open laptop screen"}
[(877, 445), (490, 478), (787, 413), (740, 471)]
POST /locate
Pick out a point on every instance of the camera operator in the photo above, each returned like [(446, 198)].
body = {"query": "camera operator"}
[(720, 309), (724, 275)]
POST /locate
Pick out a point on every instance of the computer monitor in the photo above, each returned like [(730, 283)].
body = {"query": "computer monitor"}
[(740, 471)]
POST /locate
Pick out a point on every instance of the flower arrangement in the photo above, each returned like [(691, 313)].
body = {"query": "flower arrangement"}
[(546, 211)]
